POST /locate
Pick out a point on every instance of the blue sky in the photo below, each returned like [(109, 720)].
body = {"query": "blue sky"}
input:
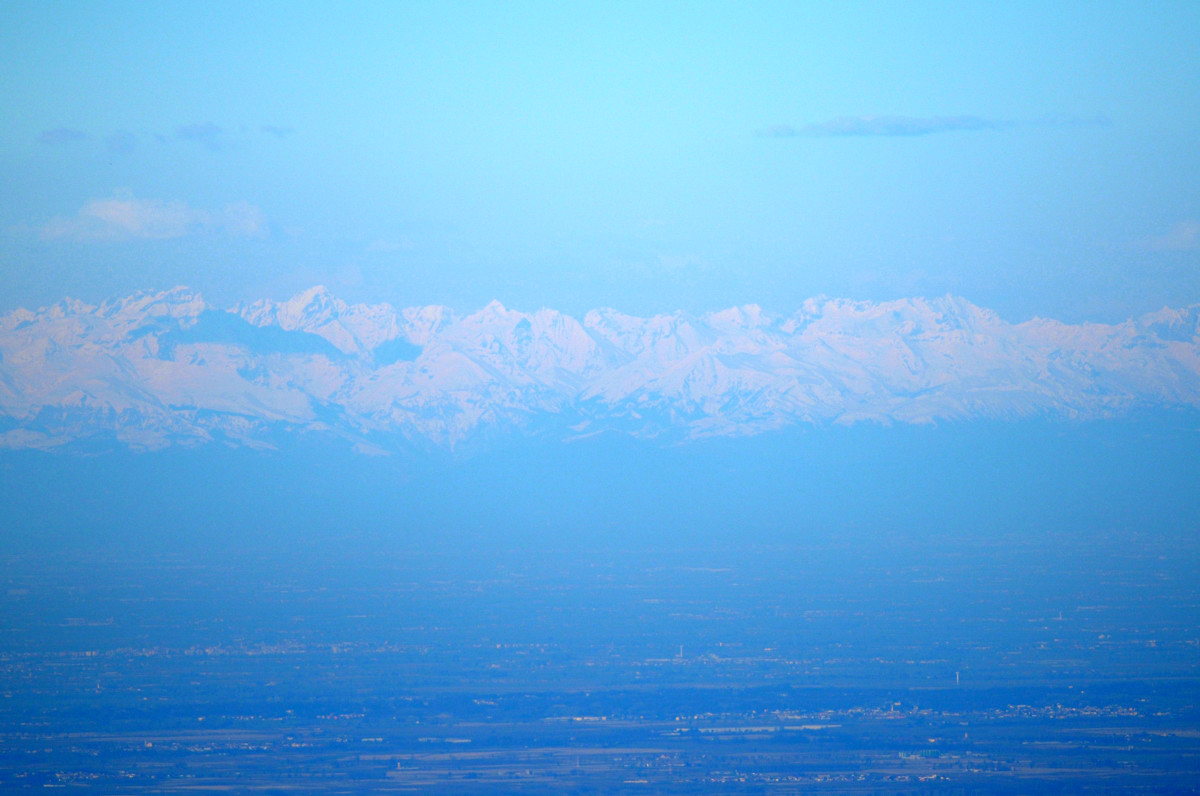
[(1035, 158)]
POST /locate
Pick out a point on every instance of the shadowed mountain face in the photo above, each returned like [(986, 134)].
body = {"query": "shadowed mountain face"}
[(155, 370)]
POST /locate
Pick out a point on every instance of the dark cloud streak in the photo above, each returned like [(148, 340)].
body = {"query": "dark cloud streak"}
[(885, 126), (206, 134), (62, 135), (121, 142), (913, 126)]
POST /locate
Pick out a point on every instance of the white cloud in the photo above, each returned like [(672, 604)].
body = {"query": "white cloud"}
[(126, 218), (242, 218), (678, 262)]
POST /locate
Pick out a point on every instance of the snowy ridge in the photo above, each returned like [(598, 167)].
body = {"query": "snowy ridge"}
[(157, 369)]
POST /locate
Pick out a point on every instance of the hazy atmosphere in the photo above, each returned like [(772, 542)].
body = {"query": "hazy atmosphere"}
[(1034, 159), (600, 398)]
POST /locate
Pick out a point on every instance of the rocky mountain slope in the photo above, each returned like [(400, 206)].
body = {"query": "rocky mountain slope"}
[(157, 369)]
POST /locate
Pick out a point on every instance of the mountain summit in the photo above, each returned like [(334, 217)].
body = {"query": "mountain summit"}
[(159, 369)]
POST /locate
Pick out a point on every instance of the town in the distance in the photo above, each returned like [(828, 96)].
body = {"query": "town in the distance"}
[(1011, 665)]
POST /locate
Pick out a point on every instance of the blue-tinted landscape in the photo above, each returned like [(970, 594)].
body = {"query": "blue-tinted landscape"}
[(840, 610), (630, 398)]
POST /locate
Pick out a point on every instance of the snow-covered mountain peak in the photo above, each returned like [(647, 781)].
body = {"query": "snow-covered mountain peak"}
[(19, 317), (352, 328), (314, 306), (422, 324), (1174, 324), (309, 308), (494, 316), (68, 307), (178, 303), (163, 367), (747, 316)]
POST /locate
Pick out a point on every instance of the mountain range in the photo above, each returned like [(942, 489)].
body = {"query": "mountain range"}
[(160, 369)]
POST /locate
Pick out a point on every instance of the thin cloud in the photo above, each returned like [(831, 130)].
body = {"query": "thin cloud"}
[(276, 130), (389, 245), (121, 142), (207, 134), (678, 262), (62, 135), (127, 218), (242, 219), (1069, 121), (885, 126), (780, 131), (1183, 237)]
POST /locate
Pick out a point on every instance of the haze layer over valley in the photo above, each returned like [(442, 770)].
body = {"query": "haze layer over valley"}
[(161, 369)]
